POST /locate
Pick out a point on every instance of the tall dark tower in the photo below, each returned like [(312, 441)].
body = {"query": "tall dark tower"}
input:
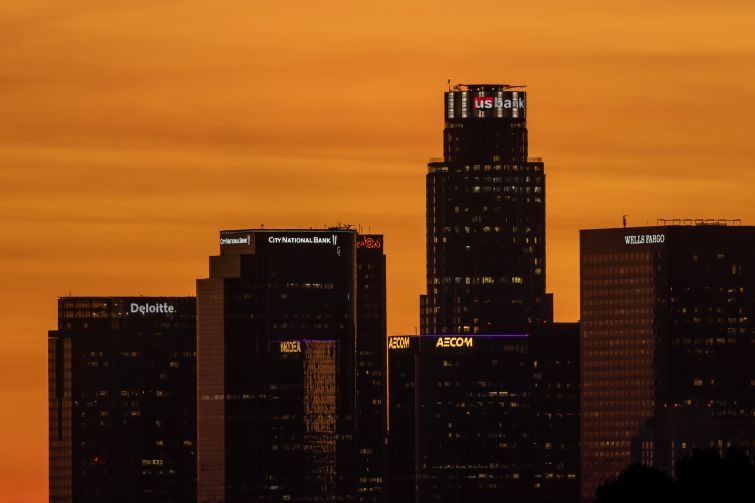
[(485, 218), (291, 366)]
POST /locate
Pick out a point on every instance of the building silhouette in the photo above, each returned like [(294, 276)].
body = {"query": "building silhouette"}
[(666, 322), (122, 400), (495, 415), (286, 378), (485, 218)]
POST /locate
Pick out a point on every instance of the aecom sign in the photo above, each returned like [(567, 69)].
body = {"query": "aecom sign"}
[(398, 342), (454, 342)]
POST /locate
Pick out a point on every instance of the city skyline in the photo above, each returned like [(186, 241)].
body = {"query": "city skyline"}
[(128, 142)]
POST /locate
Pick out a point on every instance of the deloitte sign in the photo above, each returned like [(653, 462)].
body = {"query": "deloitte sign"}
[(149, 308)]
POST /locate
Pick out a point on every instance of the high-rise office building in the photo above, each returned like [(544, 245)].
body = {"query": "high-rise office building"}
[(470, 437), (484, 417), (485, 218), (371, 368), (279, 394), (666, 322), (497, 418), (122, 400)]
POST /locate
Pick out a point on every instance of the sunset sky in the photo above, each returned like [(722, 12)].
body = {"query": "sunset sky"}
[(132, 131)]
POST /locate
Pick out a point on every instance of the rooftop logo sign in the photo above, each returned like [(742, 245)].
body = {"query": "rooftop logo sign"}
[(454, 342), (369, 242), (488, 102), (148, 308), (643, 239), (398, 342), (236, 241), (312, 240)]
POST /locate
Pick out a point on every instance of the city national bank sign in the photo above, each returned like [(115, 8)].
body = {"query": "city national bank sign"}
[(296, 240), (304, 240)]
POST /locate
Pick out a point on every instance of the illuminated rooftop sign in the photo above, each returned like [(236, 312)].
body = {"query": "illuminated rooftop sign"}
[(236, 241), (398, 342), (371, 242), (454, 342), (148, 308), (642, 239), (313, 240), (487, 102)]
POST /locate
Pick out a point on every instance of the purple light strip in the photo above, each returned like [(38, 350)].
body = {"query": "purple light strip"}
[(475, 335)]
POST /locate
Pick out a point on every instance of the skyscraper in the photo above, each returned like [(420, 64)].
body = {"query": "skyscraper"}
[(485, 218), (278, 349), (666, 323), (371, 367), (495, 414), (122, 400)]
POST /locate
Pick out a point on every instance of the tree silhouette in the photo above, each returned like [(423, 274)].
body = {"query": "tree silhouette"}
[(706, 476), (637, 484), (703, 477)]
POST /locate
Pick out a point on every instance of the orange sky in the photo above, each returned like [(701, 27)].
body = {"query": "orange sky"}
[(131, 131)]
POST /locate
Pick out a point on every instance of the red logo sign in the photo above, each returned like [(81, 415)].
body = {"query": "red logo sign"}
[(481, 102), (369, 242)]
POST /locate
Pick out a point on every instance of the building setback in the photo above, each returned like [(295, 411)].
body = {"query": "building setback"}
[(666, 323), (280, 397), (122, 400), (485, 219)]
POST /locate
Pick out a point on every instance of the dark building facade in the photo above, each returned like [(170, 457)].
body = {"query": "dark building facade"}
[(497, 418), (470, 434), (554, 352), (274, 301), (122, 400), (485, 218), (402, 433), (371, 368), (491, 417), (666, 322)]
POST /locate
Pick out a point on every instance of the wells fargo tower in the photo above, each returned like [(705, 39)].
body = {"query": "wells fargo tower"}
[(485, 218)]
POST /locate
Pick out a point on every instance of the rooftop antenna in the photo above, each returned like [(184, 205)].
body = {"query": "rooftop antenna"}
[(624, 220), (449, 85)]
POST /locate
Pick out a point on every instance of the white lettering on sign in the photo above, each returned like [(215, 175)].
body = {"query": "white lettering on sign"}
[(236, 241), (642, 239), (398, 343), (487, 102), (454, 342), (290, 346), (312, 240), (148, 308)]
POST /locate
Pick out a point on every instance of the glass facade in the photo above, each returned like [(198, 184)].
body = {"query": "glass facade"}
[(666, 324), (122, 400)]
